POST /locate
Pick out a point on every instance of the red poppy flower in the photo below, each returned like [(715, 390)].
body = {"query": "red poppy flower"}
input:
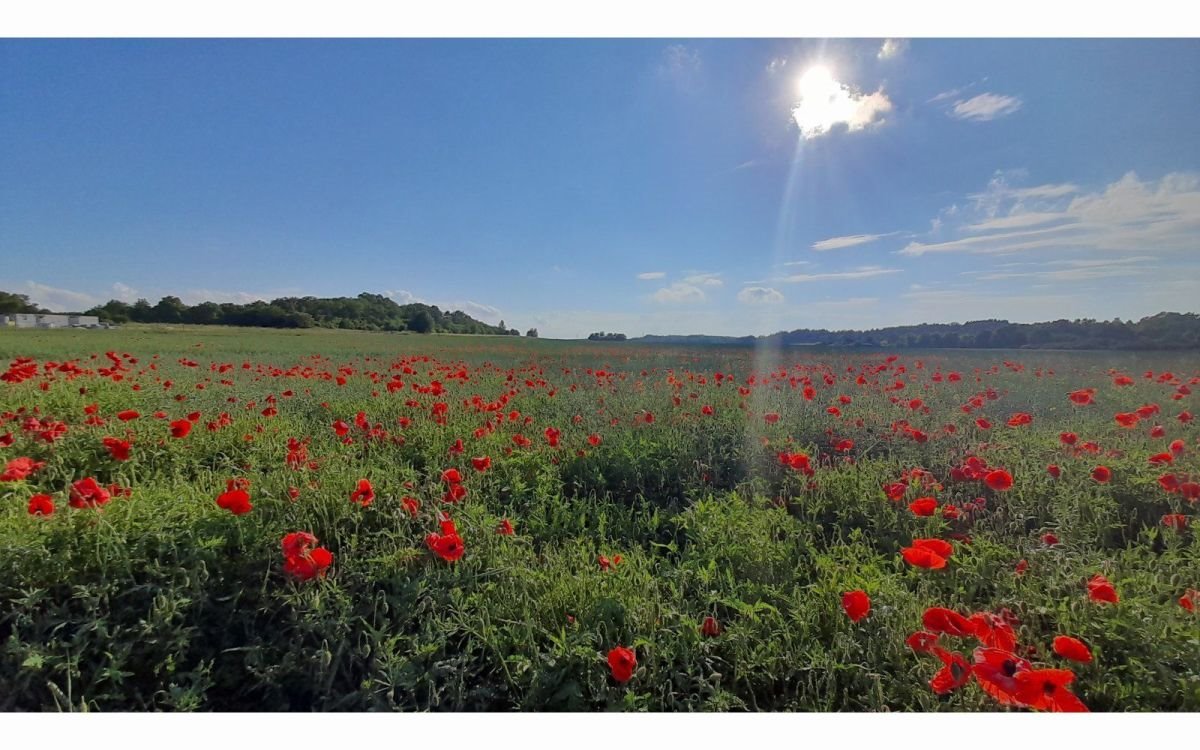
[(706, 410), (1190, 599), (1054, 471), (1046, 690), (411, 505), (127, 415), (710, 628), (297, 543), (340, 428), (1158, 431), (482, 463), (88, 493), (942, 620), (921, 641), (924, 506), (451, 476), (505, 528), (923, 558), (856, 604), (1177, 446), (996, 670), (1176, 521), (593, 440), (1102, 474), (236, 501), (955, 672), (1082, 397), (993, 631), (300, 561), (1072, 648), (1049, 539), (983, 424), (363, 493), (117, 448), (180, 428), (1127, 420), (999, 480), (1022, 566), (622, 661), (1019, 419), (1068, 438), (19, 468), (447, 545), (1100, 590), (771, 418), (41, 505)]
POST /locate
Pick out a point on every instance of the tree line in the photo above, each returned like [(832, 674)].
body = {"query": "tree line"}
[(1166, 330), (366, 312)]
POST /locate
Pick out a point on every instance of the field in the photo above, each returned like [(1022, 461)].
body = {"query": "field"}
[(514, 524)]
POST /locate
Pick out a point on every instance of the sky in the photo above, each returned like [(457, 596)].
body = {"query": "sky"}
[(664, 186)]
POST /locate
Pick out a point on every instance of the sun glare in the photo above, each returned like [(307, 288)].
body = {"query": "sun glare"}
[(824, 102)]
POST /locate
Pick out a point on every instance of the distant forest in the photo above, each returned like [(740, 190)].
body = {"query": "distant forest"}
[(1162, 331), (366, 312), (374, 312)]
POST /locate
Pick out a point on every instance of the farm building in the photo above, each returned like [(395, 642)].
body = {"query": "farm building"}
[(49, 320)]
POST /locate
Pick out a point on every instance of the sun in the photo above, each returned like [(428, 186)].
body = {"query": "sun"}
[(822, 101), (816, 84)]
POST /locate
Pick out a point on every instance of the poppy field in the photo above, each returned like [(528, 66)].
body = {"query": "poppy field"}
[(224, 519)]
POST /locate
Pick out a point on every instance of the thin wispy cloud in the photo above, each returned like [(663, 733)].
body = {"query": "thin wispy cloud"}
[(853, 240), (985, 107), (862, 272), (954, 92), (1127, 215), (651, 275), (680, 65)]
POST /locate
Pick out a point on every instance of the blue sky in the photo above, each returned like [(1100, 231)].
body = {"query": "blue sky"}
[(643, 186)]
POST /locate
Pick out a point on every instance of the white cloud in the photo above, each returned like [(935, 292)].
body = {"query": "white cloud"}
[(679, 293), (477, 310), (826, 103), (837, 243), (776, 65), (681, 65), (56, 299), (797, 263), (401, 296), (651, 275), (704, 279), (1129, 215), (892, 48), (196, 296), (862, 272), (985, 107), (760, 295), (124, 292)]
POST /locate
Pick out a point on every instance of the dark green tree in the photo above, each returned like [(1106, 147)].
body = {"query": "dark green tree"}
[(422, 322)]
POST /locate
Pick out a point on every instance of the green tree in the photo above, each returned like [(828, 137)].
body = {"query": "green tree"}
[(532, 333), (422, 322), (11, 303)]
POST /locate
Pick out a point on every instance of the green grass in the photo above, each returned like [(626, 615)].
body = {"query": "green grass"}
[(164, 601)]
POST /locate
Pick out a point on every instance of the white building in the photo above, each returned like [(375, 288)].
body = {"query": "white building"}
[(49, 320)]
